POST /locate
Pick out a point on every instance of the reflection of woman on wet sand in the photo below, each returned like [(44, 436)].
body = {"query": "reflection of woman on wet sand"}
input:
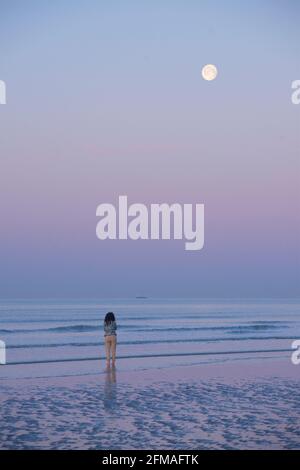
[(110, 337), (110, 390)]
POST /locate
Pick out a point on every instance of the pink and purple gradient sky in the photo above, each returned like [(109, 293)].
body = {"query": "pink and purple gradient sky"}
[(106, 98)]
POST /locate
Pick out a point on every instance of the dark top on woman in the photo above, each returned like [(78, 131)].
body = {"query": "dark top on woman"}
[(110, 328)]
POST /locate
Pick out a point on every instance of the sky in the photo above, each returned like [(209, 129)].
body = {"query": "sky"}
[(106, 98)]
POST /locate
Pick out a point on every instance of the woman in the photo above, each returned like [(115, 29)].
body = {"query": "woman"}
[(110, 337)]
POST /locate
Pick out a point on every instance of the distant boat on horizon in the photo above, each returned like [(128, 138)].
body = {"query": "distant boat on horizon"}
[(141, 297)]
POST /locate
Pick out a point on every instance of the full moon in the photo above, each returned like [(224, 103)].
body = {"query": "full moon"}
[(209, 72)]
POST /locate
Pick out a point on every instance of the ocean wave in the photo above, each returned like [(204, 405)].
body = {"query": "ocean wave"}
[(155, 341), (142, 356), (57, 329), (255, 327)]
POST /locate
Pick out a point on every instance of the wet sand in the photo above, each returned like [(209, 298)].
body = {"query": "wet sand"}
[(253, 404)]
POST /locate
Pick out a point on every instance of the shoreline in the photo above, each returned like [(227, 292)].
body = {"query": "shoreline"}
[(254, 368)]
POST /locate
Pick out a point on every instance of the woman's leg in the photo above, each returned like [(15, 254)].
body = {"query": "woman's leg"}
[(113, 349), (107, 349)]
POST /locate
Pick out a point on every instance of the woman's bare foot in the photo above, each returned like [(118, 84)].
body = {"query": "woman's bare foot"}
[(107, 364), (113, 363)]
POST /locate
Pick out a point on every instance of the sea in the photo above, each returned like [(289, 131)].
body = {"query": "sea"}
[(152, 333)]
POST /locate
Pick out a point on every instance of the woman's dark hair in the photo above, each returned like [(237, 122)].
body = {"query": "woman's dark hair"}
[(109, 317)]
